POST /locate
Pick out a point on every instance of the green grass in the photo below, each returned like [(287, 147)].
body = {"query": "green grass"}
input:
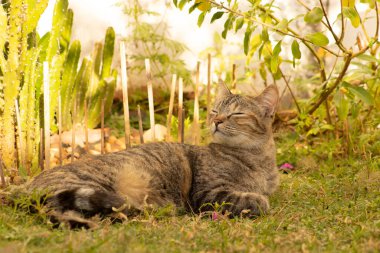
[(323, 206)]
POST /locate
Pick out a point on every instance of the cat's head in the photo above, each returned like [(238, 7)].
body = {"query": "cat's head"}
[(243, 121)]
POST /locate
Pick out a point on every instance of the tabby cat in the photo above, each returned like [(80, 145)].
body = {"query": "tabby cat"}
[(238, 168)]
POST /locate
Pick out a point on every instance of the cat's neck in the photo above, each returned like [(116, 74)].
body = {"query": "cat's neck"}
[(266, 150)]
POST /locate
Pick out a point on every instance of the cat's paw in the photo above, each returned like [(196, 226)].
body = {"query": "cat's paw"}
[(252, 205)]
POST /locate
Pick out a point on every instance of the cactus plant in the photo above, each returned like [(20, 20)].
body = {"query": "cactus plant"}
[(103, 80), (21, 75), (17, 23)]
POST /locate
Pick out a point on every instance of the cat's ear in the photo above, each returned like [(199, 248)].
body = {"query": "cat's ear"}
[(269, 100), (223, 90)]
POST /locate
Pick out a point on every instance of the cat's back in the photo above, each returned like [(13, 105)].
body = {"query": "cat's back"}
[(137, 166)]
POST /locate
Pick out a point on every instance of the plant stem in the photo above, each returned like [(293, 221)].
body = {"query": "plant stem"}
[(290, 90), (326, 92), (338, 42)]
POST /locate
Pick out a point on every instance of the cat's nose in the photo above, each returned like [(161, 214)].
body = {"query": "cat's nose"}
[(218, 121)]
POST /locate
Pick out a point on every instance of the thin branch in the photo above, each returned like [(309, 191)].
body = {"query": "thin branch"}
[(326, 93), (342, 20), (292, 34), (340, 45), (290, 90)]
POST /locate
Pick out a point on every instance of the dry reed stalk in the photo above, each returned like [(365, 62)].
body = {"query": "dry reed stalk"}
[(234, 76), (124, 82), (141, 130), (183, 126), (2, 178), (21, 146), (41, 153), (180, 109), (60, 130), (208, 87), (196, 108), (102, 148), (74, 112), (46, 114), (150, 99), (87, 147), (171, 104)]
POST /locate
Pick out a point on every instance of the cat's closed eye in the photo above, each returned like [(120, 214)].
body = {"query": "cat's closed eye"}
[(236, 114), (214, 111)]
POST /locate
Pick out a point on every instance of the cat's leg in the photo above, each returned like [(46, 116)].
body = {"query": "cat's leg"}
[(236, 203), (89, 201)]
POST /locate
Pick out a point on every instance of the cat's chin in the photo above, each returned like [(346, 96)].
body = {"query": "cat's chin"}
[(235, 141)]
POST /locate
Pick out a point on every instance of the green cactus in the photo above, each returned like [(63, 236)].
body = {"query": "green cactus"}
[(21, 68), (103, 81), (17, 25), (68, 80), (81, 84)]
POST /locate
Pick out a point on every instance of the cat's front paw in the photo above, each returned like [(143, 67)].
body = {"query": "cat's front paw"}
[(251, 205)]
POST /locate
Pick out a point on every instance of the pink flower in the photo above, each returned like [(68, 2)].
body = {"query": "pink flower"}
[(287, 166), (214, 216)]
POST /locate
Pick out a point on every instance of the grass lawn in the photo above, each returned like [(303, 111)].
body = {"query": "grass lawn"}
[(322, 206)]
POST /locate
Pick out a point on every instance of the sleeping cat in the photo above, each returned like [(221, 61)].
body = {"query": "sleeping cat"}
[(238, 168)]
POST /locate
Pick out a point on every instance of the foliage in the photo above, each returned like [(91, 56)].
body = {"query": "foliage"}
[(21, 57), (151, 40), (344, 99)]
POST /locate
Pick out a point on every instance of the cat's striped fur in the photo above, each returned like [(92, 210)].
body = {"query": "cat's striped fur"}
[(238, 167)]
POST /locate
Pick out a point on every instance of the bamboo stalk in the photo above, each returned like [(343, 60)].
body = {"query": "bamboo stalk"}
[(102, 148), (3, 183), (21, 147), (46, 114), (234, 76), (124, 82), (60, 130), (183, 126), (171, 104), (208, 88), (86, 126), (150, 99), (41, 153), (180, 109), (196, 108), (141, 130), (74, 112)]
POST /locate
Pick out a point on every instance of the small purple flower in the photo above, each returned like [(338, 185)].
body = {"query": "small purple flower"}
[(214, 216), (286, 166)]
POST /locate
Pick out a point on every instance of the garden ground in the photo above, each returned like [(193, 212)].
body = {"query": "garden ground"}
[(324, 205)]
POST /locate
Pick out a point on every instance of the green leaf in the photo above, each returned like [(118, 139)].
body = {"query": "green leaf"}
[(201, 18), (265, 35), (314, 16), (342, 105), (360, 93), (239, 24), (216, 16), (283, 25), (192, 8), (181, 4), (348, 3), (353, 15), (175, 3), (295, 52), (318, 39), (274, 62), (277, 48), (247, 37), (227, 26)]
